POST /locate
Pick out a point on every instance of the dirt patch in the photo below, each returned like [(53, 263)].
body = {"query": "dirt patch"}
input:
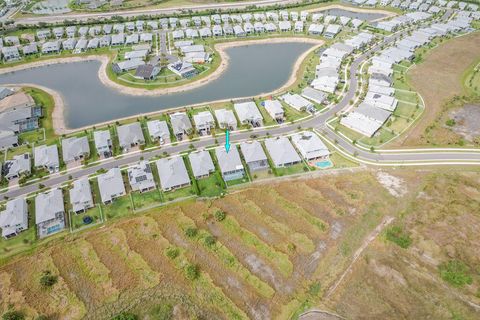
[(437, 79), (394, 185), (467, 122)]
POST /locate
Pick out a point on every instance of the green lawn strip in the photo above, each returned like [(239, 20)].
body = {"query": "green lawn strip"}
[(236, 182), (279, 259), (179, 193), (340, 162), (132, 259), (120, 207), (146, 199), (77, 219), (205, 288), (33, 136), (47, 103), (292, 114), (225, 256), (407, 110), (211, 186), (408, 96), (299, 240), (18, 151), (298, 211), (292, 169), (382, 136)]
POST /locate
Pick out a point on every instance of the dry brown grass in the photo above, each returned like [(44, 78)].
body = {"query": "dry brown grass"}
[(438, 79), (123, 266), (390, 282)]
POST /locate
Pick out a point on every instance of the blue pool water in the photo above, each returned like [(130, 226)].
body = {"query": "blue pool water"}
[(324, 164)]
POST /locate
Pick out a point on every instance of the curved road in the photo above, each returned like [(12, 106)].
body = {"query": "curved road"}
[(318, 122)]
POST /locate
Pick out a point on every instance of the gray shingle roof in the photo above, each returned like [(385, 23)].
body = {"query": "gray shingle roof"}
[(172, 172), (47, 205), (281, 151), (201, 163), (228, 161), (252, 151)]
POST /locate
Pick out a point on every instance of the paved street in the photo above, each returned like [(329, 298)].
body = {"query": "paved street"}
[(317, 122)]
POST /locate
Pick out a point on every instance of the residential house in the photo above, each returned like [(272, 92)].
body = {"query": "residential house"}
[(10, 54), (130, 135), (310, 146), (230, 163), (183, 69), (147, 72), (127, 65), (49, 212), (140, 177), (173, 173), (111, 185), (248, 114), (204, 122), (226, 119), (201, 163), (103, 143), (30, 49), (275, 109), (254, 155), (14, 219), (332, 30), (158, 130), (282, 152), (181, 125), (314, 95), (298, 102), (51, 47), (81, 195), (19, 165), (75, 149), (47, 157)]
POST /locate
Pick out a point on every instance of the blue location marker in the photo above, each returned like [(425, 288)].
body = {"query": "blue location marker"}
[(227, 140)]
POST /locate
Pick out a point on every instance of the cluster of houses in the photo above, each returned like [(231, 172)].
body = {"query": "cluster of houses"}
[(18, 113), (50, 207), (83, 38), (76, 149), (431, 6), (379, 102), (327, 75)]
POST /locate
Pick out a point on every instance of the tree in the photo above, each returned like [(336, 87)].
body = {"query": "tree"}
[(13, 315), (210, 241)]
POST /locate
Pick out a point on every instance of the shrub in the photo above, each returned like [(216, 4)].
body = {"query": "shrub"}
[(210, 241), (192, 271), (172, 252), (220, 215), (191, 232), (125, 316), (455, 272), (48, 279), (396, 235), (13, 315), (450, 122)]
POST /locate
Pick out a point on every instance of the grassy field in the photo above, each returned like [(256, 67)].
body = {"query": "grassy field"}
[(273, 252), (439, 87)]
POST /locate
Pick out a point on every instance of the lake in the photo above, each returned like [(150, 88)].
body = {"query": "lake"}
[(253, 69)]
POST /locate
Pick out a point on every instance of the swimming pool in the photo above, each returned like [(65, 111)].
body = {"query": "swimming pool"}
[(324, 164)]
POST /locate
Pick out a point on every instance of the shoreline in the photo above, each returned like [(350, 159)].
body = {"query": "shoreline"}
[(58, 114)]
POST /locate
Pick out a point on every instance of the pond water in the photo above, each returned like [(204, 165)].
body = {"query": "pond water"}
[(252, 70), (366, 16)]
